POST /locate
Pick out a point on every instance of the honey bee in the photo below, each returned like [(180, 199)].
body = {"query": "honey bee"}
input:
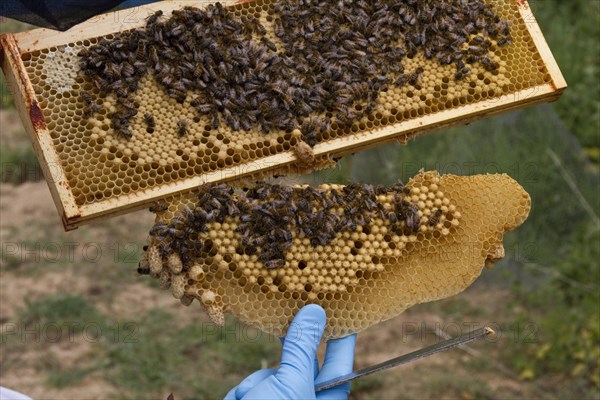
[(154, 17), (268, 43), (87, 99), (401, 80), (504, 41), (204, 108), (125, 132), (461, 73), (164, 247), (127, 70), (488, 64), (195, 102), (121, 90), (158, 206), (276, 263), (469, 28), (436, 217), (215, 120), (414, 78), (472, 59), (182, 127), (477, 50), (84, 53), (481, 41), (149, 119), (408, 213), (91, 110), (177, 94), (504, 28), (480, 22)]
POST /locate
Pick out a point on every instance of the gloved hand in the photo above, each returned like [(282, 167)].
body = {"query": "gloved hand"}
[(299, 369)]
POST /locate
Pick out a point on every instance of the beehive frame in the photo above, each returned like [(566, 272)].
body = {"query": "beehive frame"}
[(16, 46)]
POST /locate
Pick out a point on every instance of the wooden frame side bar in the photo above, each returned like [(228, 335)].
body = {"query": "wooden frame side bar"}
[(560, 84), (33, 121)]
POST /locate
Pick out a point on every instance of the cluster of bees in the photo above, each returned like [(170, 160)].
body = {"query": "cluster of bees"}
[(115, 68), (361, 277), (330, 61), (271, 215)]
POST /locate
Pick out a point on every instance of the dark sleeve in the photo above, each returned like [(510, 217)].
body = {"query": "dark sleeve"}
[(59, 14)]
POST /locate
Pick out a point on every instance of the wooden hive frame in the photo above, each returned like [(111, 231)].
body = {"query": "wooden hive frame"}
[(14, 46)]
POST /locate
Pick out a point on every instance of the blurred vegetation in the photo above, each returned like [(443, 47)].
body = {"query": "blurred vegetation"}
[(572, 29), (19, 164), (362, 387), (568, 314), (63, 309)]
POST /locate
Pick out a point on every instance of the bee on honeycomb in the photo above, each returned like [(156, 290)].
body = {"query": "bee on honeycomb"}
[(330, 60), (365, 253)]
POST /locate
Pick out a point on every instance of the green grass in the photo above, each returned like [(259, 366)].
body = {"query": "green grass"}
[(456, 309), (185, 359), (57, 319), (12, 25), (151, 360), (5, 97), (19, 165), (10, 262), (152, 354), (62, 310), (568, 339), (60, 377)]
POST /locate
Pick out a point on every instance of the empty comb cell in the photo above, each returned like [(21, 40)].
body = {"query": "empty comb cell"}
[(365, 253)]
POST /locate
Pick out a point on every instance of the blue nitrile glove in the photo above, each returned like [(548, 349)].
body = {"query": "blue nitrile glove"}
[(299, 369)]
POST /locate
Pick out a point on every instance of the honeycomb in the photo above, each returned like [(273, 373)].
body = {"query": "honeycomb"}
[(101, 165), (363, 274)]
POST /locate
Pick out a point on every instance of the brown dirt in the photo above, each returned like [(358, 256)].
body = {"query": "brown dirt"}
[(33, 383), (12, 133), (24, 203)]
